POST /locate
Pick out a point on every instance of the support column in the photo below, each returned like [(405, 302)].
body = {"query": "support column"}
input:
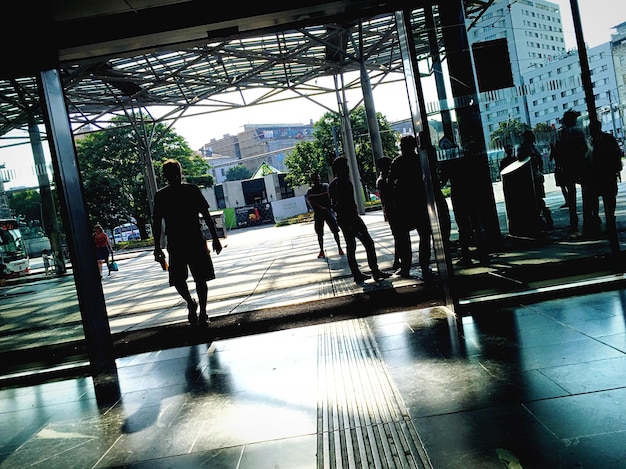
[(446, 118), (49, 214), (585, 73), (348, 145), (370, 111), (463, 84), (77, 226), (420, 125)]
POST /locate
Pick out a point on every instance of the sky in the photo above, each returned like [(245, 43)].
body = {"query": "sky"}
[(597, 18)]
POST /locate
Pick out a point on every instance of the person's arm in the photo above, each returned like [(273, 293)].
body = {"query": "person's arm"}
[(314, 197), (156, 231)]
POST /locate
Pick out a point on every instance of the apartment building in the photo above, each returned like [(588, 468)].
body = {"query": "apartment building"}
[(535, 38), (557, 87)]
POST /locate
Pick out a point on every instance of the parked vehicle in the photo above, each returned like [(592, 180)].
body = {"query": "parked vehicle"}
[(13, 254), (125, 232)]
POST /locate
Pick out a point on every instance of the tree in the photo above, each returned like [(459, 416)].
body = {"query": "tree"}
[(26, 204), (112, 171), (238, 173), (509, 131), (317, 155), (305, 159), (544, 133)]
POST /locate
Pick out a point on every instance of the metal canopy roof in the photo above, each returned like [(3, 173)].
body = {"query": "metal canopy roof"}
[(239, 70)]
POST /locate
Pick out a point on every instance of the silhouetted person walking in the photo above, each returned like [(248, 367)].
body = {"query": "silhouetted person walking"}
[(179, 204), (318, 198), (604, 164), (352, 226)]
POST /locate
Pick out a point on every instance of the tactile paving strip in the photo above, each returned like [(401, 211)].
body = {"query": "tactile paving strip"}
[(362, 419)]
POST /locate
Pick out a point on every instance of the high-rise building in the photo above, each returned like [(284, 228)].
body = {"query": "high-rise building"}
[(535, 38), (553, 89), (618, 51)]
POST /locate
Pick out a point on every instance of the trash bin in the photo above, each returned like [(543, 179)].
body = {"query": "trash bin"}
[(519, 198)]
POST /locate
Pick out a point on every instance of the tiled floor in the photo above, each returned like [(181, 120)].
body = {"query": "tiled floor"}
[(537, 386)]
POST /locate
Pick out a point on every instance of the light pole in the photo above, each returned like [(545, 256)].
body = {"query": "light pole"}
[(612, 111)]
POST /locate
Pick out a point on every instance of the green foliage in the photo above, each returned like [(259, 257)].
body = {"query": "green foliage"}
[(510, 131), (544, 133), (238, 173), (304, 160), (26, 204), (317, 155), (112, 170), (266, 169)]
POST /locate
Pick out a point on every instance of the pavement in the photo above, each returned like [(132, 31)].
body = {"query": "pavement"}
[(301, 368), (270, 278)]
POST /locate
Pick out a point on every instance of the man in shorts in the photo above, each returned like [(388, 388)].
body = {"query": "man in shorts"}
[(319, 200), (179, 205)]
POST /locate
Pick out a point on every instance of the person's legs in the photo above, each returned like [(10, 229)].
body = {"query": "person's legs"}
[(319, 231), (424, 233), (571, 205), (203, 291), (364, 236), (192, 306), (609, 200), (405, 253), (396, 255), (178, 271), (565, 197), (334, 228), (202, 270), (591, 208), (350, 240), (336, 235)]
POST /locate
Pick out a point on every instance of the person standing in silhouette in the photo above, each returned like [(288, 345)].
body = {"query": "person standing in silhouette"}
[(385, 191), (351, 224), (604, 165), (319, 199), (509, 156), (528, 149), (569, 155), (459, 168), (179, 205), (407, 181)]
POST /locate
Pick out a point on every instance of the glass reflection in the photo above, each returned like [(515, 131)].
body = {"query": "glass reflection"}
[(38, 300)]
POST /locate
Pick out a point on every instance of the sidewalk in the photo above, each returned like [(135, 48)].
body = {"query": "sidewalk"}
[(269, 278), (530, 386)]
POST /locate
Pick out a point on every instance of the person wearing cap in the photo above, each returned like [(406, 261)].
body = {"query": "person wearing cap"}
[(341, 192), (569, 155)]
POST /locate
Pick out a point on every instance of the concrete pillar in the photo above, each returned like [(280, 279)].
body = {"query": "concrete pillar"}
[(77, 226)]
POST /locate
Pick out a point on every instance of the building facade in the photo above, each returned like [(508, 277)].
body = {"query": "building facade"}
[(556, 87), (534, 34), (255, 145)]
